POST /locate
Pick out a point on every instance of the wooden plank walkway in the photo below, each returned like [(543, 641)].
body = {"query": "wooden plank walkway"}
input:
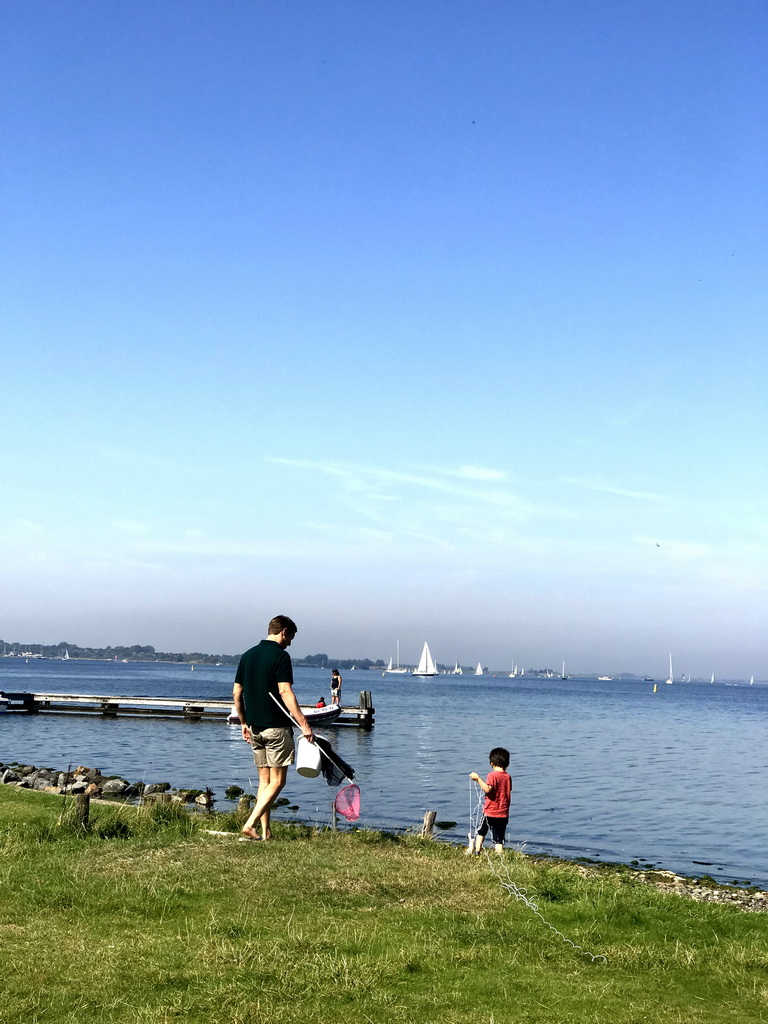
[(190, 708)]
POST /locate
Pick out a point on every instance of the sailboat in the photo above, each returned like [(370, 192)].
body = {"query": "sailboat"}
[(457, 670), (426, 666), (713, 678), (479, 669), (671, 676), (751, 680), (396, 671), (562, 674)]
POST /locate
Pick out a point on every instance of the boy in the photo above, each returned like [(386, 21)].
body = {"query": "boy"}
[(498, 789)]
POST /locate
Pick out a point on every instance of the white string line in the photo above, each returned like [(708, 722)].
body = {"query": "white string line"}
[(505, 881)]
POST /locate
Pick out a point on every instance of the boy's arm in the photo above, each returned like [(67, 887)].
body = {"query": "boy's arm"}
[(481, 782)]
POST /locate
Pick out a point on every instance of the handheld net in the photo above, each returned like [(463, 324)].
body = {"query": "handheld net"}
[(500, 870)]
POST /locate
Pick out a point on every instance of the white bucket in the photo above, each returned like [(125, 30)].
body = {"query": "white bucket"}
[(308, 758)]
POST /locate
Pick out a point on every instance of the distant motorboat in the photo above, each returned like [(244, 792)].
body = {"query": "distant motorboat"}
[(605, 679), (426, 666)]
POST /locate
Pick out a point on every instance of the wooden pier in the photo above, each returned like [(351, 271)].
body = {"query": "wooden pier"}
[(193, 709)]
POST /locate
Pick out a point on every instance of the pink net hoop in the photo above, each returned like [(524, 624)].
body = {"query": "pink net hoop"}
[(348, 802)]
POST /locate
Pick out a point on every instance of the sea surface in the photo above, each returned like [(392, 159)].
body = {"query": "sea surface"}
[(609, 771)]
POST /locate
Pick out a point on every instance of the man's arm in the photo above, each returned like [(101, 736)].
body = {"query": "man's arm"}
[(237, 697), (289, 699)]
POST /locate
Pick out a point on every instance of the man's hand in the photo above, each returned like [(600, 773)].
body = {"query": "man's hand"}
[(246, 734), (307, 732)]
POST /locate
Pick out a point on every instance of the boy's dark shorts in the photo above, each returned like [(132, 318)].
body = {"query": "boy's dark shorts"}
[(498, 827)]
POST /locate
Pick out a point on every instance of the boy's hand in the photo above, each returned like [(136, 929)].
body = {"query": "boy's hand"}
[(474, 776)]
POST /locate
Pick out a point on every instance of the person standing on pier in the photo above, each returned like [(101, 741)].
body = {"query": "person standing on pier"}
[(335, 687), (264, 698)]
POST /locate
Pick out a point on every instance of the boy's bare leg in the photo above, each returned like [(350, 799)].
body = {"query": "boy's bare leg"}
[(479, 843), (499, 848)]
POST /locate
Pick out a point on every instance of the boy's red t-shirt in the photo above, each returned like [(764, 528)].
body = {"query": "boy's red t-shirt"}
[(497, 801)]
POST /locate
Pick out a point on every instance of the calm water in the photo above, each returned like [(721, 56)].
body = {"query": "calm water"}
[(607, 770)]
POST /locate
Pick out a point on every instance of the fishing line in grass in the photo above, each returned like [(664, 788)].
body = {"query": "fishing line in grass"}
[(500, 871)]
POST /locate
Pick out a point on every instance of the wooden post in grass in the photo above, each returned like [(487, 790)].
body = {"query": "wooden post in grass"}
[(334, 826), (82, 809), (429, 821)]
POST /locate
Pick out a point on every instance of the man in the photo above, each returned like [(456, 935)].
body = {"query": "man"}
[(262, 692)]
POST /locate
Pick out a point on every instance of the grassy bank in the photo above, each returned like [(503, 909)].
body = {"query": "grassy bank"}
[(149, 919)]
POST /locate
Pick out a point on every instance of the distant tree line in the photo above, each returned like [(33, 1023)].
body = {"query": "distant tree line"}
[(323, 661), (134, 653), (137, 652)]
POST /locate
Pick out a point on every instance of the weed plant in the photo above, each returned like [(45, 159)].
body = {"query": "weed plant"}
[(146, 918)]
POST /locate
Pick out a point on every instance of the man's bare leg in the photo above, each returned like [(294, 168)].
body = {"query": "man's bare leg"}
[(270, 785), (250, 829)]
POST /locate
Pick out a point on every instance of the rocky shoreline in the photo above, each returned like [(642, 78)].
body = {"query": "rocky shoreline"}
[(82, 780), (704, 890), (90, 781)]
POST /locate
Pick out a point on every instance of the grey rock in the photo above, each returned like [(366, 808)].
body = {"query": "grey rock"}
[(157, 787), (9, 775), (114, 787), (43, 783), (156, 798)]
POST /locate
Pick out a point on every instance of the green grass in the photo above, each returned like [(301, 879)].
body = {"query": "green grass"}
[(148, 919)]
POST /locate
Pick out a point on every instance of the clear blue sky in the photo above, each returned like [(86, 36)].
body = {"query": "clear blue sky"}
[(438, 321)]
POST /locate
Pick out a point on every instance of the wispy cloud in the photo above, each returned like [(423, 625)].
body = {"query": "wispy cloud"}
[(476, 473), (382, 483), (681, 551), (404, 512), (623, 492)]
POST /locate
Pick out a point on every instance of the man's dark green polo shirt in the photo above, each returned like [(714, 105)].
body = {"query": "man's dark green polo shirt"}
[(260, 670)]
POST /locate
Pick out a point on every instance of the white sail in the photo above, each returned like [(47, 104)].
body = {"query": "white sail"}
[(397, 671), (671, 674), (457, 670), (479, 669), (713, 678), (426, 666)]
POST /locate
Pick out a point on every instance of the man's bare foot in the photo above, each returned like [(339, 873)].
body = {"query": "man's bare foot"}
[(251, 833)]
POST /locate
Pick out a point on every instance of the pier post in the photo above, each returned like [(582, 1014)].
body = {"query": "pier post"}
[(82, 809), (429, 821)]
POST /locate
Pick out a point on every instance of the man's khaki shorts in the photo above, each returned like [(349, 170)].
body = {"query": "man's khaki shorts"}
[(273, 748)]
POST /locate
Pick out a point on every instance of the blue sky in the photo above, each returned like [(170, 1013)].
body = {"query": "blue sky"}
[(437, 321)]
